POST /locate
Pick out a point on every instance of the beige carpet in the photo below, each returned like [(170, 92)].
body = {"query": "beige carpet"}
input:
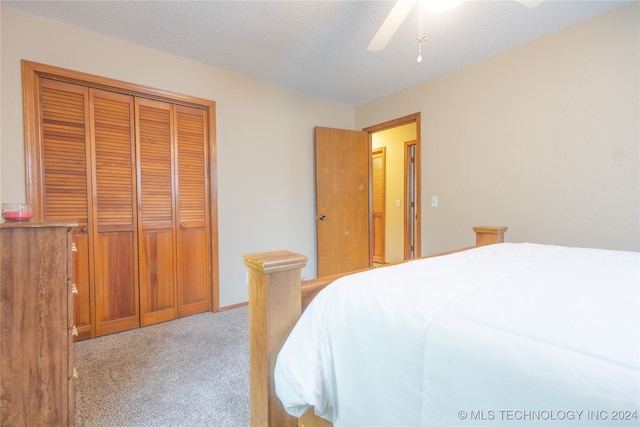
[(189, 372)]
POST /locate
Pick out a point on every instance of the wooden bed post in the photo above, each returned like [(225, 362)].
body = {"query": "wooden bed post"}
[(488, 235), (274, 308)]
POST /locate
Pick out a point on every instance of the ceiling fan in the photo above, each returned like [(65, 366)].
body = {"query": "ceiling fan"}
[(402, 8)]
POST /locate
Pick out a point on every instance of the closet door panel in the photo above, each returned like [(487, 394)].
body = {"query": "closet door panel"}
[(194, 275), (63, 112), (66, 190), (114, 212), (194, 266), (156, 207), (157, 296), (116, 305)]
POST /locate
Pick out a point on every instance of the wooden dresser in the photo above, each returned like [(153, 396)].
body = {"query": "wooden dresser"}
[(36, 325)]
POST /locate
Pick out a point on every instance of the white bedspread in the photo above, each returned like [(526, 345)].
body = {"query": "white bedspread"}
[(507, 334)]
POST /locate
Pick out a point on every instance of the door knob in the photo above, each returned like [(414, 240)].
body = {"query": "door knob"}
[(322, 218)]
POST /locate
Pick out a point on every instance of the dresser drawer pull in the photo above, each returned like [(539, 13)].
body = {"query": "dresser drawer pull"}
[(74, 331)]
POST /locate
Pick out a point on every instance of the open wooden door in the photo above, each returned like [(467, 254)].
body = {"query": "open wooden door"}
[(343, 159)]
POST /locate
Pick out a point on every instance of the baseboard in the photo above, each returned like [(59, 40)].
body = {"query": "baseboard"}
[(231, 307)]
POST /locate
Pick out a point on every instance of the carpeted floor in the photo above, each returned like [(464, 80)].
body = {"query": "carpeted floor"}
[(188, 372)]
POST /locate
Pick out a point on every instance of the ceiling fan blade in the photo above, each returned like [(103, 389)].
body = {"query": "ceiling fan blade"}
[(390, 25), (530, 3)]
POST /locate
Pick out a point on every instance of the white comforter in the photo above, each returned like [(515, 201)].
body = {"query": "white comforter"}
[(508, 334)]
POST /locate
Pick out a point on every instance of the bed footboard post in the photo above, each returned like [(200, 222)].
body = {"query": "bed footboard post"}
[(274, 307), (488, 235)]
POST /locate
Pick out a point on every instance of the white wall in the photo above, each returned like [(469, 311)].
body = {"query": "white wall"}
[(264, 135), (543, 138)]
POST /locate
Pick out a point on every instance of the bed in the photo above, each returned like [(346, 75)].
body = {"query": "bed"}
[(506, 334)]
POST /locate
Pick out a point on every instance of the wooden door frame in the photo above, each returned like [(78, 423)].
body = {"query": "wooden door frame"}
[(33, 71), (411, 118), (410, 231)]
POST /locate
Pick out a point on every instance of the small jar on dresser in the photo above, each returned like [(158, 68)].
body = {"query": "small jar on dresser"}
[(36, 324)]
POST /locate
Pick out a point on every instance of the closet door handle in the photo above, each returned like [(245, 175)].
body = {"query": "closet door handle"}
[(182, 225), (83, 229)]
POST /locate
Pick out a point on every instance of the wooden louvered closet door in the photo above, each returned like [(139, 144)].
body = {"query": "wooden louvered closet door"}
[(88, 172), (133, 173), (194, 275), (174, 255), (66, 194), (378, 171), (114, 212), (156, 207)]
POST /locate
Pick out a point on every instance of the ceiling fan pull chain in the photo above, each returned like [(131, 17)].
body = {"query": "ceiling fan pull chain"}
[(421, 36)]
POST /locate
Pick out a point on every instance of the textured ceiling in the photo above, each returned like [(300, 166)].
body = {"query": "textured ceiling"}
[(319, 47)]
